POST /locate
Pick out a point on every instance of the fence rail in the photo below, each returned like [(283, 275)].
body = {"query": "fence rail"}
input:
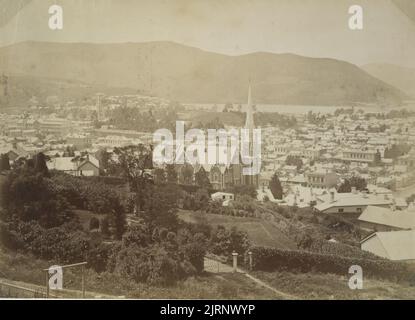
[(9, 290)]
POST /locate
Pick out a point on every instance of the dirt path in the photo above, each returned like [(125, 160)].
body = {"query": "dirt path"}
[(214, 266)]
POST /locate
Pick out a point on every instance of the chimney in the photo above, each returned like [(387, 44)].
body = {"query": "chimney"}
[(354, 190), (332, 196)]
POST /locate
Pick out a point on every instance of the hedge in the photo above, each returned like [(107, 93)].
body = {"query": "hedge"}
[(273, 259)]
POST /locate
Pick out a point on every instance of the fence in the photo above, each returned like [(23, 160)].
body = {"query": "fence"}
[(9, 290)]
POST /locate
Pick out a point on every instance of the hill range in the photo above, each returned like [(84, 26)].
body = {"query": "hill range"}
[(188, 74)]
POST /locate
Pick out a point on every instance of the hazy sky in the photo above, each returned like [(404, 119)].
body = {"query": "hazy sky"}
[(317, 28)]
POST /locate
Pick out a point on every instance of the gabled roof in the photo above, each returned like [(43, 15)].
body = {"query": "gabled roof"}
[(62, 164), (399, 245), (350, 199), (388, 217)]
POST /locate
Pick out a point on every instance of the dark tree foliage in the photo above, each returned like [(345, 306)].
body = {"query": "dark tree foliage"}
[(40, 164), (224, 241), (187, 175), (131, 118), (93, 223), (275, 119), (202, 179), (171, 174), (104, 158), (396, 151), (160, 207), (4, 162), (28, 195), (294, 161), (243, 190), (275, 187), (159, 256), (105, 227), (159, 176), (357, 182), (134, 163)]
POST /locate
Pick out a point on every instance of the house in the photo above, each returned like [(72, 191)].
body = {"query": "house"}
[(321, 179), (384, 219), (352, 202), (355, 155), (76, 166), (392, 245), (224, 197)]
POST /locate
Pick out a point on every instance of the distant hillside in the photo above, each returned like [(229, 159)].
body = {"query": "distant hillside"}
[(191, 75), (400, 77), (23, 88)]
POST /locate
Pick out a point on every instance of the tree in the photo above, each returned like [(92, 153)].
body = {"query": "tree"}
[(294, 161), (223, 241), (4, 162), (356, 182), (103, 157), (345, 187), (411, 198), (275, 187), (159, 176), (247, 190), (40, 164), (171, 174), (118, 220), (201, 199), (202, 179), (27, 196), (134, 164), (160, 207), (378, 158), (93, 223), (69, 152), (187, 174), (105, 227), (228, 107)]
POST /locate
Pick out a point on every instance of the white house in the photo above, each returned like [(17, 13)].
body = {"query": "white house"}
[(392, 245), (89, 166), (223, 196), (355, 202)]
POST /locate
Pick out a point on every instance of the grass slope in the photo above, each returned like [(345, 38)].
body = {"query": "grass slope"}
[(259, 231)]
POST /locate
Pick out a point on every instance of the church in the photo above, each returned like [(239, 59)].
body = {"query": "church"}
[(222, 176)]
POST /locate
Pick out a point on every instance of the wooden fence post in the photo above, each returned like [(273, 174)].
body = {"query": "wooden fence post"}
[(47, 283), (235, 261)]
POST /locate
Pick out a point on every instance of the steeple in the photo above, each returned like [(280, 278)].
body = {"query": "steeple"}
[(249, 121), (249, 124)]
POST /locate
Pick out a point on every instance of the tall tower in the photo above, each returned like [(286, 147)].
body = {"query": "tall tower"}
[(249, 121), (100, 108), (250, 125)]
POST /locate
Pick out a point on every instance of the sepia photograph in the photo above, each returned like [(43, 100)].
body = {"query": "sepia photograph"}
[(227, 150)]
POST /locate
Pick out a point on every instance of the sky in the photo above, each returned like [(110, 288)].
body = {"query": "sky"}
[(315, 28)]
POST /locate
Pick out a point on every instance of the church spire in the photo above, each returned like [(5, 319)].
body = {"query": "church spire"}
[(249, 122)]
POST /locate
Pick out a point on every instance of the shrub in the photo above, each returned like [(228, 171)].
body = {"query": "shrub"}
[(223, 241), (272, 259), (93, 223), (98, 257)]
